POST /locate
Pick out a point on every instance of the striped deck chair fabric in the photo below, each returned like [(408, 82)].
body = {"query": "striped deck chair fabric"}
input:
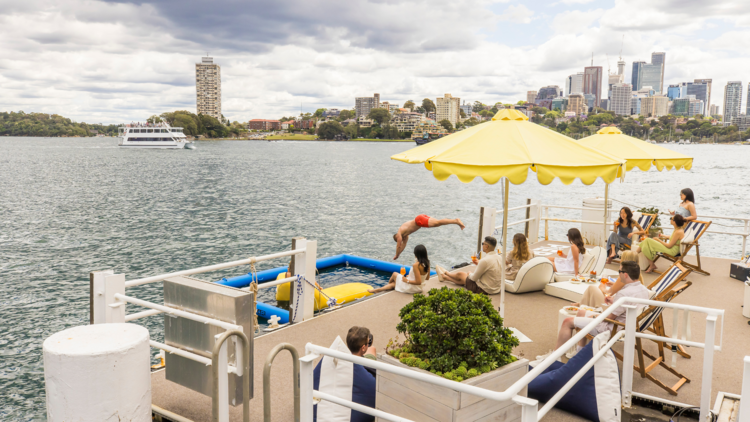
[(693, 231)]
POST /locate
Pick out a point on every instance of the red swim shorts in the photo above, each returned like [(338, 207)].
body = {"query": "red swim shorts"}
[(422, 220)]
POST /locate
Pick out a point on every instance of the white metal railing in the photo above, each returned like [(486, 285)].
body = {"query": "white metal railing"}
[(108, 302), (530, 410), (537, 216)]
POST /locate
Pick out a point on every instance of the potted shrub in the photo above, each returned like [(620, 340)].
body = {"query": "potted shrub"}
[(458, 335), (655, 229)]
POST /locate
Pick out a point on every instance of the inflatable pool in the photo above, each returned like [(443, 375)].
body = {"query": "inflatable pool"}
[(355, 291)]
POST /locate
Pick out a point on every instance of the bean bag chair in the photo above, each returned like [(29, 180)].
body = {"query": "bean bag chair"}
[(346, 380), (533, 276), (596, 396)]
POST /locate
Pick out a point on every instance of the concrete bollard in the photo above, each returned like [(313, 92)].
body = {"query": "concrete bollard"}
[(98, 373)]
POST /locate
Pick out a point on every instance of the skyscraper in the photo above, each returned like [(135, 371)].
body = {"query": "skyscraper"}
[(574, 84), (592, 82), (530, 96), (363, 105), (549, 92), (635, 79), (620, 100), (208, 87), (448, 109), (660, 60), (732, 100), (701, 92), (708, 97), (651, 76)]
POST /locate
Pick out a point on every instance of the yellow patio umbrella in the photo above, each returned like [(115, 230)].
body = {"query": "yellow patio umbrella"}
[(638, 153), (508, 147)]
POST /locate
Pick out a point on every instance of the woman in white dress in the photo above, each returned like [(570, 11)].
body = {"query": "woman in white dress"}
[(411, 283), (571, 262)]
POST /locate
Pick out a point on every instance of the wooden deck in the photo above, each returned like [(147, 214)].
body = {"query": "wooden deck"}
[(534, 314)]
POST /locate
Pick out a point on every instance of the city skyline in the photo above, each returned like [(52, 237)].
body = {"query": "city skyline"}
[(112, 62)]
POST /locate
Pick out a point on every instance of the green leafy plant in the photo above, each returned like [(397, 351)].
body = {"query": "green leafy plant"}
[(651, 210), (456, 329)]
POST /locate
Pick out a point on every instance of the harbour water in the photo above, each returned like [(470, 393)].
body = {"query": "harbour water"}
[(71, 206)]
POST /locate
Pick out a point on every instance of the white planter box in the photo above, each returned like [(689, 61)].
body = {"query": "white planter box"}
[(420, 401)]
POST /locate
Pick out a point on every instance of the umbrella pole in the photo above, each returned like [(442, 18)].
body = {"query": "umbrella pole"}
[(506, 186), (606, 203)]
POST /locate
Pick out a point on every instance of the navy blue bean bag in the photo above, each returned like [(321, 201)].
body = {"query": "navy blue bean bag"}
[(596, 396)]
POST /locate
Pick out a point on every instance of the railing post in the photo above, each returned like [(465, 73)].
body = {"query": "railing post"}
[(744, 237), (708, 363), (528, 215), (535, 213), (303, 294), (546, 223), (114, 310), (745, 410), (628, 354), (487, 225), (97, 302), (529, 408), (306, 387)]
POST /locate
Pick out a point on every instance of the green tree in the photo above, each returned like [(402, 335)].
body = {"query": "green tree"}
[(446, 124), (463, 113), (380, 116), (471, 122), (477, 107), (154, 119), (428, 105), (410, 105), (346, 115), (329, 130), (521, 102), (352, 130), (319, 112), (213, 127)]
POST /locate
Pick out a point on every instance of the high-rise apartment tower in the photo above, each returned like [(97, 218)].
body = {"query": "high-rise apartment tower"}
[(708, 96), (448, 108), (732, 100), (363, 105), (208, 87), (592, 82)]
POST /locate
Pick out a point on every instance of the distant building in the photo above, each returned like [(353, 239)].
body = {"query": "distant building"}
[(604, 103), (696, 106), (468, 109), (674, 92), (655, 106), (592, 82), (637, 74), (304, 124), (651, 76), (714, 110), (590, 101), (263, 124), (407, 122), (742, 122), (660, 59), (208, 87), (574, 84), (708, 97), (530, 96), (560, 104), (363, 105), (577, 104), (548, 92), (621, 96), (448, 109), (289, 124), (331, 112), (732, 100)]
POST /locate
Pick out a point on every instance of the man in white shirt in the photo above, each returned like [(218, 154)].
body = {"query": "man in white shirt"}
[(629, 274), (486, 278)]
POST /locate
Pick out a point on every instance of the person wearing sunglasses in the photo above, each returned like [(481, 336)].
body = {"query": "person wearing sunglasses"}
[(629, 273)]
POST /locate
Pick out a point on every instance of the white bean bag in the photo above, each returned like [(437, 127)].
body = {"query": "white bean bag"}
[(532, 277)]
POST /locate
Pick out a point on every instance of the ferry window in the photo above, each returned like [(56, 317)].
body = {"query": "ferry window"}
[(150, 130)]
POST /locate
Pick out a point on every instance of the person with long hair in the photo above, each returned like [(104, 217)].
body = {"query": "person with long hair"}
[(520, 254), (624, 230), (687, 207), (594, 296), (650, 247), (418, 273), (571, 262)]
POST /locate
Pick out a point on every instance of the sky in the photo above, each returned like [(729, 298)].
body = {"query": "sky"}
[(122, 61)]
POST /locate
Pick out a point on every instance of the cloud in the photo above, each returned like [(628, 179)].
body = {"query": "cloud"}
[(518, 14)]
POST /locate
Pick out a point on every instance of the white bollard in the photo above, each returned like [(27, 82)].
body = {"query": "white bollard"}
[(98, 373)]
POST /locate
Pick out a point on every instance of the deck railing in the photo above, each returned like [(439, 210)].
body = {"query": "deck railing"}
[(530, 407), (108, 301), (536, 213)]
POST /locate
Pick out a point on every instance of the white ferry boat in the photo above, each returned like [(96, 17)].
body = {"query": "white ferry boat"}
[(153, 135)]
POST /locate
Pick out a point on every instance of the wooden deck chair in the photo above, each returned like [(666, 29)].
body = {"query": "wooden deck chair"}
[(643, 220), (693, 231), (665, 289)]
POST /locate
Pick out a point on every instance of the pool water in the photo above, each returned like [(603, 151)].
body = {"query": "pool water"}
[(329, 277)]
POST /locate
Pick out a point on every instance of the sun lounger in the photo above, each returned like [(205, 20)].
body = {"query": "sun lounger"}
[(693, 232)]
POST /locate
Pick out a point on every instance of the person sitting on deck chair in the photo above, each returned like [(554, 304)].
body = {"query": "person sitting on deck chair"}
[(629, 273), (486, 278), (402, 235)]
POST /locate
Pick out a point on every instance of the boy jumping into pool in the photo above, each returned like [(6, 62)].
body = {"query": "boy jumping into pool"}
[(402, 235)]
